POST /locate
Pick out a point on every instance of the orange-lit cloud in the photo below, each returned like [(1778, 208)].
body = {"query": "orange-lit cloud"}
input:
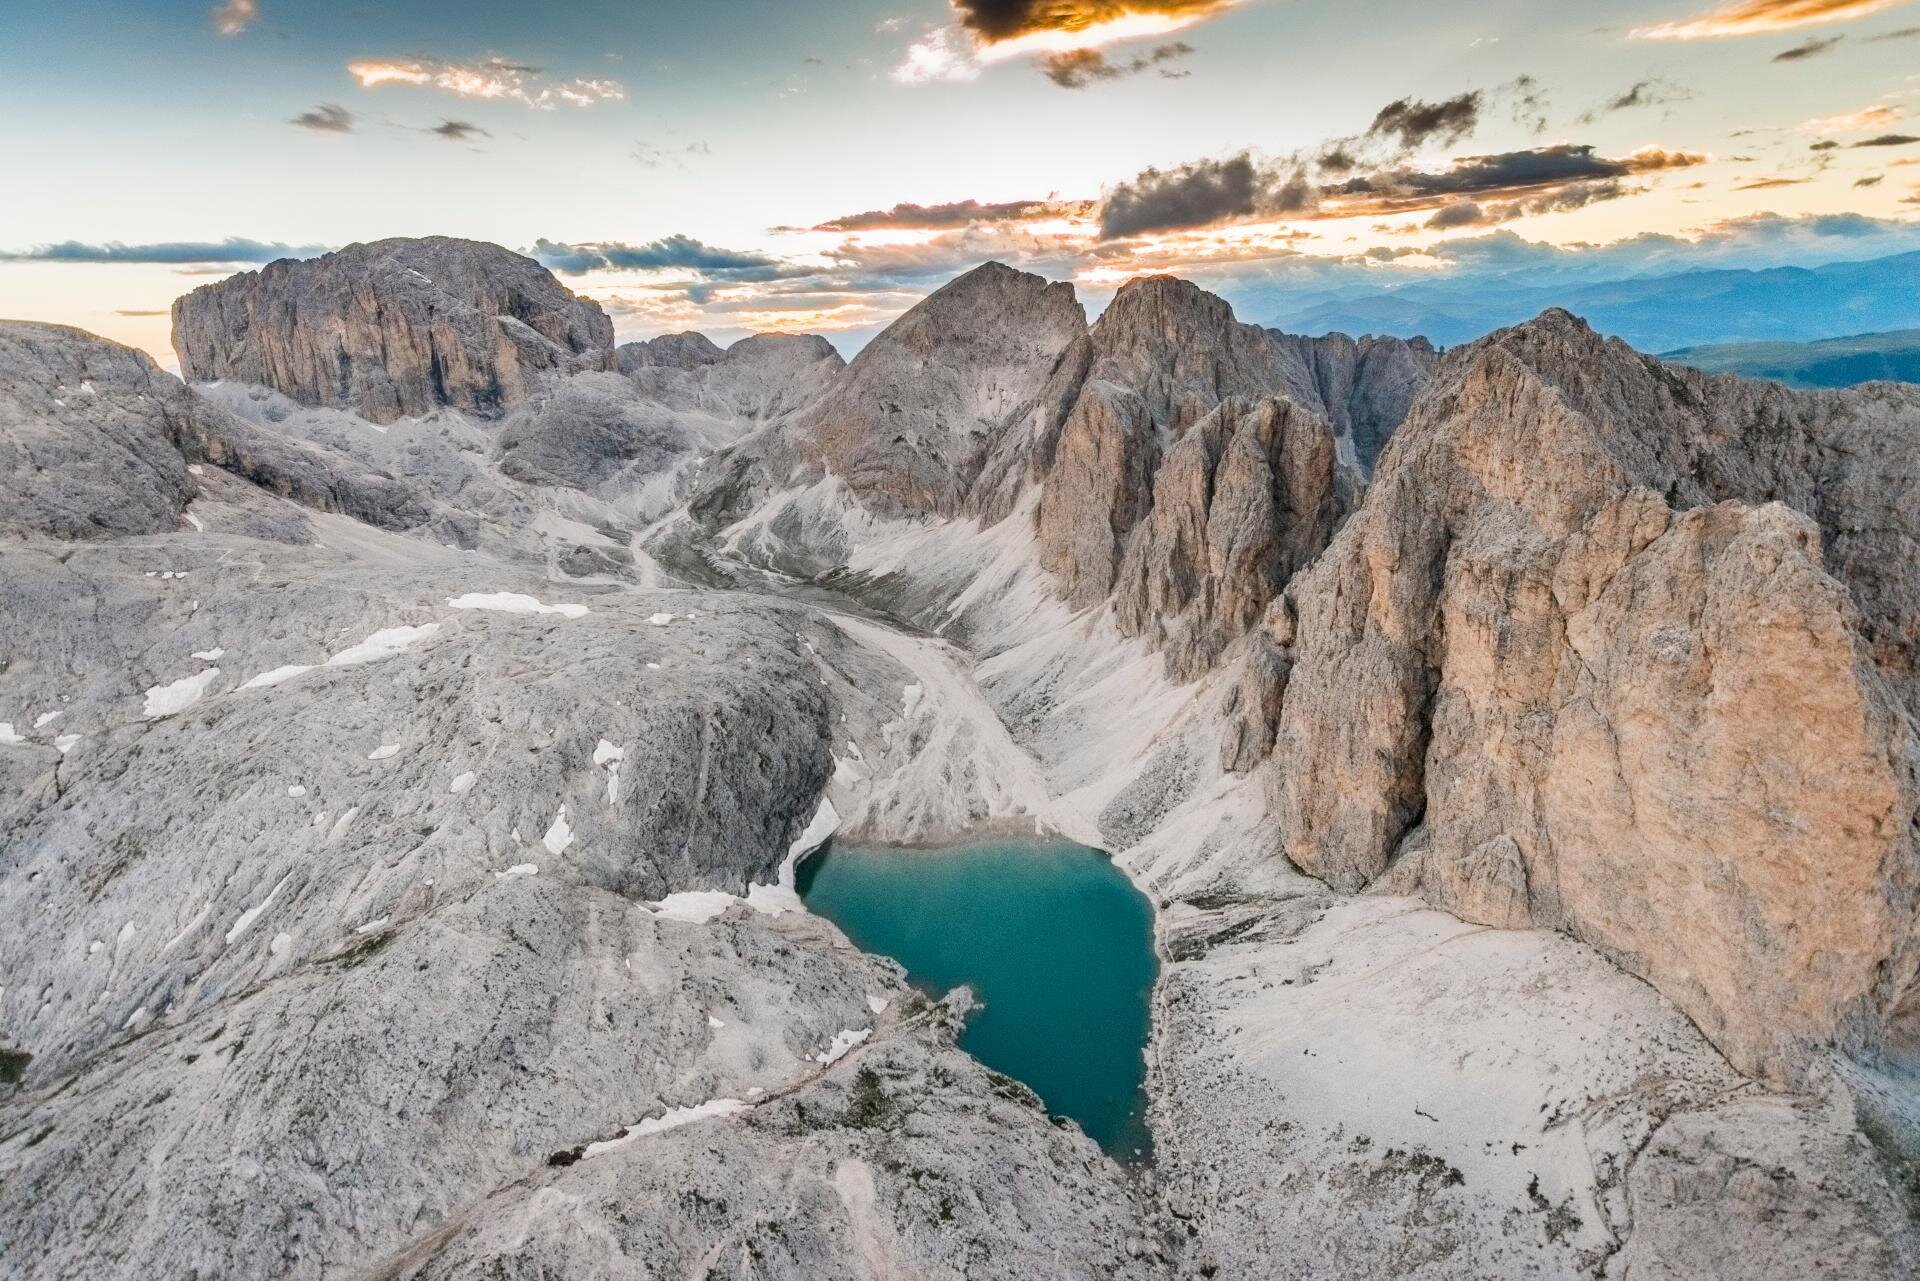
[(990, 31), (493, 78), (1760, 17), (1877, 116)]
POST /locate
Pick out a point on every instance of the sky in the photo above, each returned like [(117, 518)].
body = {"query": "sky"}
[(737, 166)]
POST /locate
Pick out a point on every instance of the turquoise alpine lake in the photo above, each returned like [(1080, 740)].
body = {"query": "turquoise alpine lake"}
[(1055, 942)]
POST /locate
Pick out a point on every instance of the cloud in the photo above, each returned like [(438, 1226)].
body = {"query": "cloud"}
[(1876, 116), (1198, 195), (1081, 67), (669, 253), (1063, 22), (1872, 181), (1903, 33), (328, 117), (135, 312), (170, 252), (1768, 184), (944, 54), (1644, 93), (231, 17), (492, 79), (959, 213), (1760, 17), (652, 156), (1414, 124), (1889, 140), (1812, 47), (1533, 181), (988, 31), (459, 131)]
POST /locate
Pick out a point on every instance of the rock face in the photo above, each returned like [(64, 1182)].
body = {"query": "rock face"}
[(394, 328), (89, 434), (1628, 651), (669, 351), (637, 440), (909, 426), (1200, 467), (97, 440)]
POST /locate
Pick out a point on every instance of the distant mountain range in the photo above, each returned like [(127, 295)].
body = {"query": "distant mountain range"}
[(1830, 362), (1653, 313)]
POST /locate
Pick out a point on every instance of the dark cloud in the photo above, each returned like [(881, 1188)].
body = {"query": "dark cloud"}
[(1645, 93), (959, 213), (1825, 144), (1872, 181), (1509, 173), (1903, 33), (1529, 102), (1464, 213), (171, 252), (1200, 194), (1889, 140), (1414, 124), (1082, 67), (1809, 48), (669, 253), (1507, 185), (458, 131), (1768, 184), (328, 117), (995, 20)]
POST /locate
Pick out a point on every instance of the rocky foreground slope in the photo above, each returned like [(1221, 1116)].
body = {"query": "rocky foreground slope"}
[(398, 804)]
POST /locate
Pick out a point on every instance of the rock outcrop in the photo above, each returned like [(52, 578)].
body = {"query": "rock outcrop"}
[(669, 351), (394, 328), (1628, 651), (909, 425), (98, 440)]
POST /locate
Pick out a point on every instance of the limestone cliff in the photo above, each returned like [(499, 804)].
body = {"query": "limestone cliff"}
[(393, 328), (1626, 650)]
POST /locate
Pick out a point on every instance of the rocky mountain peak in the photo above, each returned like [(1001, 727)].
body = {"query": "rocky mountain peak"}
[(393, 328), (909, 425), (672, 351)]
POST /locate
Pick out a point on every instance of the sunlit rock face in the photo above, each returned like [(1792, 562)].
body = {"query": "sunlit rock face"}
[(394, 328), (1628, 651)]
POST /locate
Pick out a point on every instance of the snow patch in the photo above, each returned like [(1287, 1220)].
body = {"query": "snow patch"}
[(518, 869), (842, 1045), (559, 835), (66, 743), (178, 696), (781, 896), (248, 917), (461, 783), (45, 719), (213, 655), (660, 620), (672, 1119), (696, 907), (610, 756), (513, 603), (9, 736), (376, 923), (296, 791)]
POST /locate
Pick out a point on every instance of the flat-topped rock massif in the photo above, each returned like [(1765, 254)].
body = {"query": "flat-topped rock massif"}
[(393, 328), (403, 746)]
